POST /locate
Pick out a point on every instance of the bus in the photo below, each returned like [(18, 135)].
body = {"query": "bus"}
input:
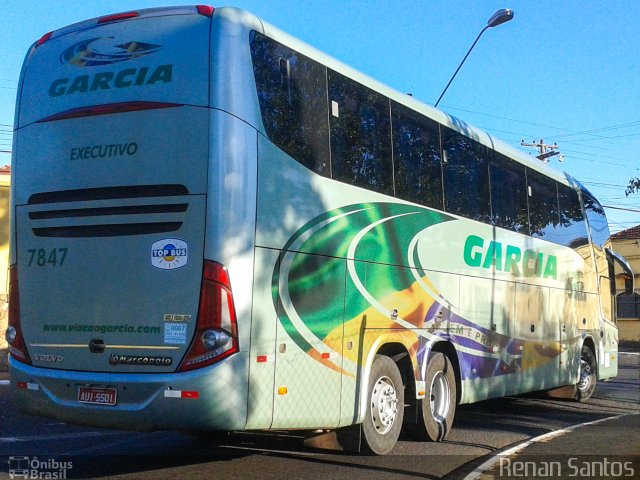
[(217, 227)]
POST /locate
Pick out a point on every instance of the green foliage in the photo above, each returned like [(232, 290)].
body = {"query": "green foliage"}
[(633, 187)]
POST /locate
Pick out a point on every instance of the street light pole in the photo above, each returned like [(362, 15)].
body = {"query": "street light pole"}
[(498, 18)]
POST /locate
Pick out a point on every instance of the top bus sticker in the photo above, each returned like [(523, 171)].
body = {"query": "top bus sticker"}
[(169, 254)]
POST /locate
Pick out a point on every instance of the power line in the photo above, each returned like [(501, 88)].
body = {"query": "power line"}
[(600, 162), (622, 208), (613, 137), (510, 119), (569, 131), (603, 129)]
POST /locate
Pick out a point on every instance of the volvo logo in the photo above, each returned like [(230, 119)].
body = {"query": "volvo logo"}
[(50, 358)]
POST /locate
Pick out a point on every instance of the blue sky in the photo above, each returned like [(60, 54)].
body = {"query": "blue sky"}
[(563, 71)]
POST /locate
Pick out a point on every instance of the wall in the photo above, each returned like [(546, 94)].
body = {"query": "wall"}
[(629, 327)]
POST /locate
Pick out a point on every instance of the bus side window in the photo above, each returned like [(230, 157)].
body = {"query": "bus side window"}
[(292, 93), (573, 231), (508, 194), (544, 217), (360, 135), (416, 157), (597, 220), (466, 176)]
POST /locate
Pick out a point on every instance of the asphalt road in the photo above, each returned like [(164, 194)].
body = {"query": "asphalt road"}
[(486, 436)]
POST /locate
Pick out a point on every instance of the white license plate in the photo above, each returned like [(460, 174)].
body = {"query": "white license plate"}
[(97, 396)]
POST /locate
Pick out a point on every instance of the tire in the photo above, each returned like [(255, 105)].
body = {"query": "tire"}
[(385, 407), (587, 382), (439, 404)]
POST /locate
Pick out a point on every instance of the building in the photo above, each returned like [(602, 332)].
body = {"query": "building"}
[(627, 244)]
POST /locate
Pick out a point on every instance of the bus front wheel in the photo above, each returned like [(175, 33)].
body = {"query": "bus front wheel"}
[(439, 404), (587, 382), (385, 406)]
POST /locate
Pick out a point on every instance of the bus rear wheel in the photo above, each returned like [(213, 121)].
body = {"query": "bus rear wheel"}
[(385, 406), (439, 404), (587, 382)]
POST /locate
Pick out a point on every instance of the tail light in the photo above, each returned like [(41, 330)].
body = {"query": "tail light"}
[(216, 334), (17, 345), (118, 17), (45, 38), (205, 10)]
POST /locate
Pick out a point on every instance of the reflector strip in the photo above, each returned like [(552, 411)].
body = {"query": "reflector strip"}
[(326, 355), (28, 386), (264, 359), (181, 394)]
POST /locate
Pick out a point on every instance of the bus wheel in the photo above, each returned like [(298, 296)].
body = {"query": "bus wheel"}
[(587, 382), (439, 404), (385, 406)]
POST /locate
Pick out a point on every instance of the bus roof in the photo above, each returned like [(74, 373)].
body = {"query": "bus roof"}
[(438, 115)]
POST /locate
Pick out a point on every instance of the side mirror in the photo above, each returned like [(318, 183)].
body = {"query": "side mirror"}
[(615, 257)]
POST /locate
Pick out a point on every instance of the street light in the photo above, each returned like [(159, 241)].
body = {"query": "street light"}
[(501, 16)]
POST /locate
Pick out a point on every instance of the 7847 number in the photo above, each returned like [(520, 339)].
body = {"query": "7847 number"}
[(43, 257)]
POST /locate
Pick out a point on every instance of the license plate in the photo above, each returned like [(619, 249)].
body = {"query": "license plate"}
[(97, 396)]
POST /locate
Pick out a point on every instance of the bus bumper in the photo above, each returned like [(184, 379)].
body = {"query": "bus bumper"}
[(211, 398)]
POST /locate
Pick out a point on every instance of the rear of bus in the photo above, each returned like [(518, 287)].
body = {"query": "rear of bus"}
[(121, 305)]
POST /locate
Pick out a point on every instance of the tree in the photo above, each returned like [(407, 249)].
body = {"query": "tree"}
[(633, 187)]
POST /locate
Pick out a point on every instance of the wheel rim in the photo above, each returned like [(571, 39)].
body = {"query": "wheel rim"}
[(384, 405), (439, 399), (586, 375)]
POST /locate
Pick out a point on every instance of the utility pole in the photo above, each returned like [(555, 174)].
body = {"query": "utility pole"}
[(546, 151)]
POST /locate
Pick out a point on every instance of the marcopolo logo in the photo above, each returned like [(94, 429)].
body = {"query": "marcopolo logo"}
[(169, 254), (115, 359), (96, 52)]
